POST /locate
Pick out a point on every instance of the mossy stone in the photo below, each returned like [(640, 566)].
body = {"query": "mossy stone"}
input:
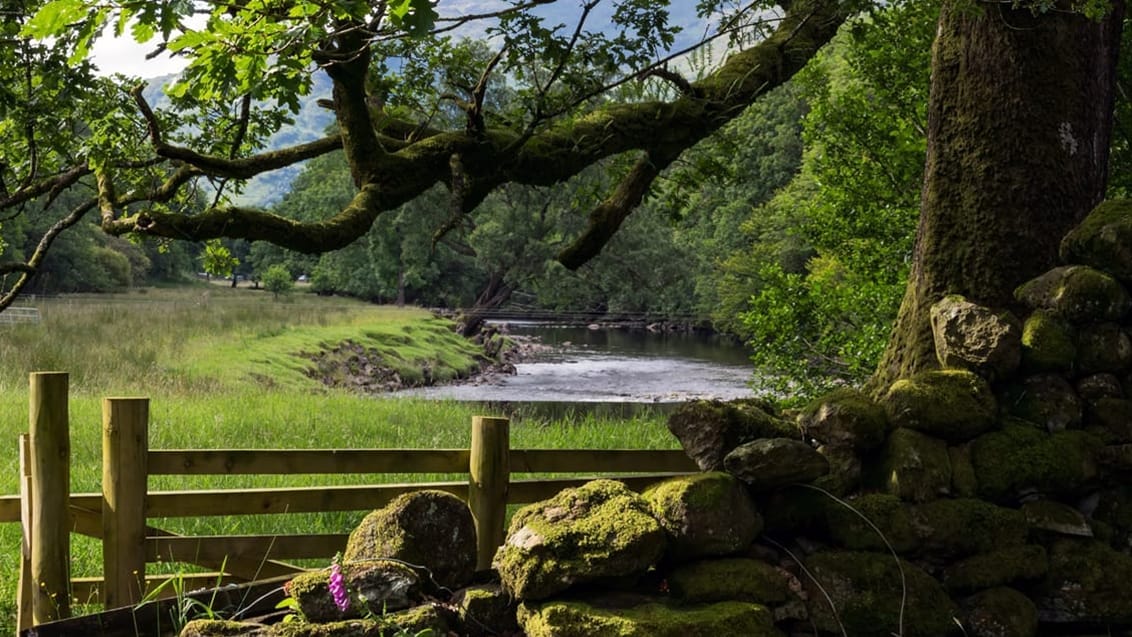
[(1103, 347), (1103, 239), (1049, 343), (845, 470), (866, 590), (1000, 612), (1006, 565), (980, 339), (429, 528), (888, 513), (1022, 457), (1047, 400), (1114, 417), (845, 417), (709, 429), (223, 628), (1051, 516), (742, 579), (954, 405), (1088, 581), (485, 610), (1094, 387), (916, 466), (421, 620), (704, 514), (1077, 293), (598, 530), (771, 463), (959, 527), (653, 619)]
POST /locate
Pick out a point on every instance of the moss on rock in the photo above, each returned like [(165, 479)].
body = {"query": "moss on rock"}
[(954, 405), (704, 514), (891, 516), (709, 429), (223, 628), (916, 467), (1000, 612), (964, 484), (598, 530), (742, 579), (1048, 343), (1022, 457), (845, 417), (655, 619), (866, 590), (1103, 347), (1077, 293), (1088, 581), (1103, 239), (430, 528), (771, 463), (1007, 565)]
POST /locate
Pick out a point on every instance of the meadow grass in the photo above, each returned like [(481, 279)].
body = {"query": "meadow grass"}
[(222, 370)]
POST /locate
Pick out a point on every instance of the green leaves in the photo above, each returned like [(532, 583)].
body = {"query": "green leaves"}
[(55, 16), (415, 17)]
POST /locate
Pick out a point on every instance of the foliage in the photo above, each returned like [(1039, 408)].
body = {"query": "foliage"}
[(277, 280), (816, 290)]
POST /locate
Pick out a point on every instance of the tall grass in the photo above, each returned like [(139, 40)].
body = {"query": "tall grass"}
[(222, 371)]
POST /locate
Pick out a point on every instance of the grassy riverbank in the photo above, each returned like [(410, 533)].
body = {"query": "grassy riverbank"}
[(221, 369)]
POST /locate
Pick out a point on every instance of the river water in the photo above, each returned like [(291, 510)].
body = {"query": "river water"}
[(613, 366)]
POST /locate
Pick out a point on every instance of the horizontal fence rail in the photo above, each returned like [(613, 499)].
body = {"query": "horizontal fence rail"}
[(118, 516)]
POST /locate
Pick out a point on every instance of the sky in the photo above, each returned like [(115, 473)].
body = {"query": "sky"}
[(123, 55)]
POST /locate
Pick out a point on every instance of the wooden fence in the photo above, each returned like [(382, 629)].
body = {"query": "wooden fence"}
[(14, 315), (118, 516)]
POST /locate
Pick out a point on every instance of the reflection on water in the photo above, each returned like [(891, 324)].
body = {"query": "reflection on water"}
[(612, 366)]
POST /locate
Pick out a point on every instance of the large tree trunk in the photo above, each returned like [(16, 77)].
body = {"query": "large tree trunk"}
[(1019, 120)]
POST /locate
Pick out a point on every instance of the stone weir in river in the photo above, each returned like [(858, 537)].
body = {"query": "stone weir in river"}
[(989, 498)]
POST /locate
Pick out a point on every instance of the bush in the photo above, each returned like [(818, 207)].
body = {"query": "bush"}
[(277, 280)]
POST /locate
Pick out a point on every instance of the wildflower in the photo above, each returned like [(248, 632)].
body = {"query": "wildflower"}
[(338, 586)]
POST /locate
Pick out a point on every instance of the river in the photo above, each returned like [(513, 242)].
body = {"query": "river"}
[(613, 366)]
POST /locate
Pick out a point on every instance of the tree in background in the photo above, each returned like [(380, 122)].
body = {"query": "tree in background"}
[(277, 280)]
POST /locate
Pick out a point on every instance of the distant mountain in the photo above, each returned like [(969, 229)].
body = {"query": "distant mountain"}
[(310, 123)]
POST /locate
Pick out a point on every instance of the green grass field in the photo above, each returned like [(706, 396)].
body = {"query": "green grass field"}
[(222, 370)]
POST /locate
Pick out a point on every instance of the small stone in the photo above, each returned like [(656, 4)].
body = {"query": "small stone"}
[(846, 418), (916, 467), (1103, 347), (1077, 293), (972, 337), (771, 463)]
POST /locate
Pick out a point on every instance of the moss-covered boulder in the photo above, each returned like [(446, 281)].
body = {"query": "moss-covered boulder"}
[(846, 418), (972, 337), (999, 612), (597, 531), (865, 588), (1103, 347), (592, 618), (1047, 400), (428, 619), (742, 579), (1022, 458), (1049, 343), (429, 528), (484, 610), (1077, 293), (1008, 565), (953, 405), (771, 463), (942, 529), (709, 429), (845, 470), (1103, 239), (915, 466), (384, 585), (1087, 582), (704, 515), (1113, 416)]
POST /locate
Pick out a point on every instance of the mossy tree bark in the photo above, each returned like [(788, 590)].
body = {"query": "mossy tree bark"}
[(1019, 120)]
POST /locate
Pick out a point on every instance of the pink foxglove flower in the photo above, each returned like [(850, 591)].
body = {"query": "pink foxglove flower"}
[(338, 587)]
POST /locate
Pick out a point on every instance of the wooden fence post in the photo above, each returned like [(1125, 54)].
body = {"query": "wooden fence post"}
[(49, 428), (125, 450), (489, 472), (26, 590)]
